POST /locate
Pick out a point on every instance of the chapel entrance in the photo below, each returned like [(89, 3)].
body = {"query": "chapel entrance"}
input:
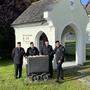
[(40, 39)]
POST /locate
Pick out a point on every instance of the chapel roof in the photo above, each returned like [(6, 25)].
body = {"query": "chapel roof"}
[(34, 13)]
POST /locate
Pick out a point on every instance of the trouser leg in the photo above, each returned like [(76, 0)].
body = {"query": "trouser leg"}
[(16, 70), (51, 69), (20, 70), (58, 71), (61, 72)]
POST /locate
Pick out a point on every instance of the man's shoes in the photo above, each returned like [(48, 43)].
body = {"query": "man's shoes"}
[(57, 81), (62, 78), (50, 77), (19, 77), (16, 77)]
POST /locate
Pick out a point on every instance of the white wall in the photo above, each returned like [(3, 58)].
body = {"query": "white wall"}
[(22, 32), (64, 14)]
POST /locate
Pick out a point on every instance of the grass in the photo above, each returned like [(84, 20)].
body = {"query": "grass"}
[(7, 81)]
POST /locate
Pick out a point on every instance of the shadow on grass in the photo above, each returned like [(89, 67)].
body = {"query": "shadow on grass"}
[(77, 72)]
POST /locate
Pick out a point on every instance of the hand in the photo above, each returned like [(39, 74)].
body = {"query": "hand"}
[(25, 57), (59, 61)]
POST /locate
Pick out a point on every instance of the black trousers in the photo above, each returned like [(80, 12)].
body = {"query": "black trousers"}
[(59, 71), (50, 67), (18, 70)]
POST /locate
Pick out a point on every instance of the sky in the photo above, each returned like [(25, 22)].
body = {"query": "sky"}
[(85, 2)]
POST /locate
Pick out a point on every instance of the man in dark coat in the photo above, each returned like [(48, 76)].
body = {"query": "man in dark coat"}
[(32, 50), (59, 51), (17, 55), (47, 50)]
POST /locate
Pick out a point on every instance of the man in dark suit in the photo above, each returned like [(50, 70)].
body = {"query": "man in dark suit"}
[(17, 55), (47, 50), (32, 50), (59, 51)]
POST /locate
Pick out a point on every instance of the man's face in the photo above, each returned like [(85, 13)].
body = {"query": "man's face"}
[(18, 45), (32, 45), (57, 44), (46, 43)]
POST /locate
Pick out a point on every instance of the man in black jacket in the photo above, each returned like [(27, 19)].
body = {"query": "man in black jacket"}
[(17, 55), (47, 50), (59, 51), (32, 50)]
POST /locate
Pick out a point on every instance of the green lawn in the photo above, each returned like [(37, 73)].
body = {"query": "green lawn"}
[(7, 81)]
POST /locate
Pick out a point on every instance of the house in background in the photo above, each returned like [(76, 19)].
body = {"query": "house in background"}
[(46, 20)]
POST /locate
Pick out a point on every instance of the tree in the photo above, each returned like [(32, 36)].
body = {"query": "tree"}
[(9, 11), (7, 40)]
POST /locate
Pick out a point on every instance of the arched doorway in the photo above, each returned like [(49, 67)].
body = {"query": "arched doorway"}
[(80, 54), (40, 39), (68, 39)]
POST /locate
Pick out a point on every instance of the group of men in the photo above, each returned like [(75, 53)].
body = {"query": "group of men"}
[(18, 53)]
